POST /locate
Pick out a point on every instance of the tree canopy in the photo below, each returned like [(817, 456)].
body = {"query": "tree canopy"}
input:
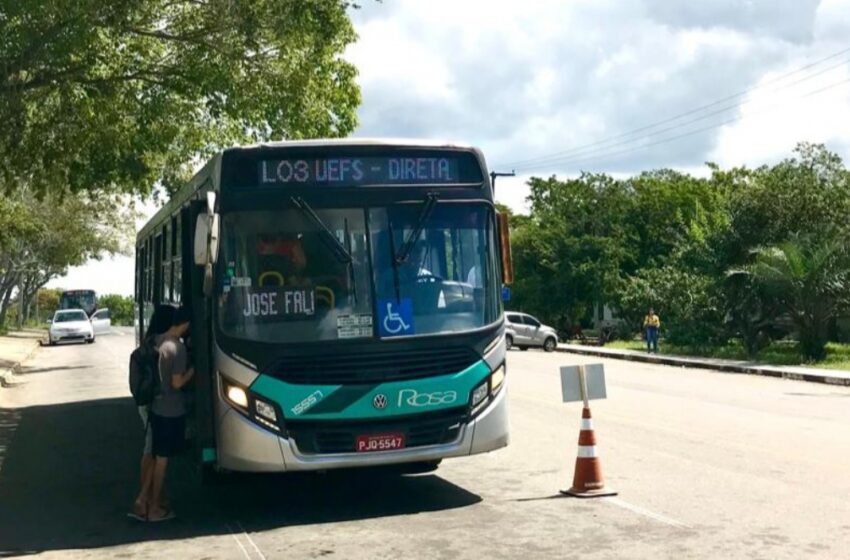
[(119, 96), (41, 237), (697, 249)]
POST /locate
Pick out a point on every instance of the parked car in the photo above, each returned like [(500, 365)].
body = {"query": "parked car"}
[(524, 331), (74, 324)]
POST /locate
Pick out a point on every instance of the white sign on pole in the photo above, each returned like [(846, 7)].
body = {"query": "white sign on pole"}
[(583, 383)]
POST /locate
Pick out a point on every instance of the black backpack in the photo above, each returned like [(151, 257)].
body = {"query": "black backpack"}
[(144, 373)]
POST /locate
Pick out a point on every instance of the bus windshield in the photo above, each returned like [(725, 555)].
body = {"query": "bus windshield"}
[(288, 277), (78, 299)]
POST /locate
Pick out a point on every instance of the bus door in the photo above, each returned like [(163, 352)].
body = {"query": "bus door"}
[(201, 339)]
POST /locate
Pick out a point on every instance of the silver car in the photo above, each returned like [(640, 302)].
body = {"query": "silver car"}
[(523, 331)]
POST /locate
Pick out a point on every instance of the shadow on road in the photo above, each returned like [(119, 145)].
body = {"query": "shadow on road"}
[(827, 395), (25, 370), (68, 474)]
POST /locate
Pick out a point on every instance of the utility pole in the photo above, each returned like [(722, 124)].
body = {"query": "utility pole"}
[(494, 174)]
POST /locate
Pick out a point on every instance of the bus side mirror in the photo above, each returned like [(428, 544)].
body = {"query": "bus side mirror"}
[(206, 239), (505, 249), (202, 232)]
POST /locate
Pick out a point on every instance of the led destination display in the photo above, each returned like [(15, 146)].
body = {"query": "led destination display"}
[(354, 171)]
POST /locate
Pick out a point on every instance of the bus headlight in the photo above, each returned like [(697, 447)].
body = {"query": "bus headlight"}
[(479, 394), (265, 410), (236, 395), (497, 379), (486, 390)]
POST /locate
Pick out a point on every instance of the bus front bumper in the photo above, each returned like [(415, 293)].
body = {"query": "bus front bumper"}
[(244, 446)]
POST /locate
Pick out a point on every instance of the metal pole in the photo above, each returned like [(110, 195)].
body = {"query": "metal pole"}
[(494, 174), (583, 378)]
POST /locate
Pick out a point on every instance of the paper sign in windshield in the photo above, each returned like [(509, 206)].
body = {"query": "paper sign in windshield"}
[(354, 325), (275, 303)]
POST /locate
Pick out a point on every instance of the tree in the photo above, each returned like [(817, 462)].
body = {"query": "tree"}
[(48, 302), (48, 235), (687, 302), (810, 280), (569, 253), (121, 308), (804, 195), (120, 96)]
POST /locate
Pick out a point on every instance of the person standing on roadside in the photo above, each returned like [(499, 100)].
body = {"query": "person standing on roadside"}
[(168, 411), (161, 320), (651, 324)]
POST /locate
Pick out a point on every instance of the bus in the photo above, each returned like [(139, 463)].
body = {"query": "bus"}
[(346, 304), (79, 299)]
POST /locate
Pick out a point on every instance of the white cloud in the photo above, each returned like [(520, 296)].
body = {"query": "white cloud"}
[(775, 121)]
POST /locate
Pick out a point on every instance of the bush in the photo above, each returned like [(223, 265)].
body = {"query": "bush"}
[(120, 308)]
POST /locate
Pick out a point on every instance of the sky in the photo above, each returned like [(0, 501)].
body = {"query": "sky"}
[(618, 86)]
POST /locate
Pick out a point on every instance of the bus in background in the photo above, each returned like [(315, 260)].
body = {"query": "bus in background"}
[(79, 299), (346, 304)]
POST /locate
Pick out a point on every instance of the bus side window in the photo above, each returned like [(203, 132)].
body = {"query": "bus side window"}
[(177, 261)]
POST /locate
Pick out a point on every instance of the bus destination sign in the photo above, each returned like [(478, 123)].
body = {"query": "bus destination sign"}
[(354, 171)]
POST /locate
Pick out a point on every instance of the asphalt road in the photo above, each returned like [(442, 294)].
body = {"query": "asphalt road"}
[(708, 465)]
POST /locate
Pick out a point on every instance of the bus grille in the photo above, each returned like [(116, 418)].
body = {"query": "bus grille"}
[(372, 367), (332, 437)]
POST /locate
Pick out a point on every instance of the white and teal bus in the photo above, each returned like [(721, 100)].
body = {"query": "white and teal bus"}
[(346, 297)]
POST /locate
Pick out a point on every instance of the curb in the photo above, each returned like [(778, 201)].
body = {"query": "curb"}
[(816, 376), (7, 375)]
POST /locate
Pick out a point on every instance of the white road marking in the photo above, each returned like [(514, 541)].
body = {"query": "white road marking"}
[(646, 513), (241, 546), (250, 540)]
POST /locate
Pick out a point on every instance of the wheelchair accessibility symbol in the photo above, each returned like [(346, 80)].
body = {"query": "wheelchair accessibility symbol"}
[(395, 318)]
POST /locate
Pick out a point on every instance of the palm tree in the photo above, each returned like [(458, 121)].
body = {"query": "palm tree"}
[(809, 279)]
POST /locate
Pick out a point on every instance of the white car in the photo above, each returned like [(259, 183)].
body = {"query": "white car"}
[(74, 324)]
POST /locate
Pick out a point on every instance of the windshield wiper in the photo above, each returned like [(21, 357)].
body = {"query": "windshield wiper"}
[(394, 262), (407, 247), (351, 276), (337, 248)]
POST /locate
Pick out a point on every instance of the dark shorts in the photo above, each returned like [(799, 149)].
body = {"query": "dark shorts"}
[(168, 435)]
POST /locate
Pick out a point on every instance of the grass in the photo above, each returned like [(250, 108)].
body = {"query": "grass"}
[(780, 353)]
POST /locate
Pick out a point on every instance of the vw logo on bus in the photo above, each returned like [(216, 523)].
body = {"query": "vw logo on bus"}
[(380, 401)]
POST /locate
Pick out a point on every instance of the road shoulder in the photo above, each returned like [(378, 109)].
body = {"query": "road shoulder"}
[(16, 348), (797, 373)]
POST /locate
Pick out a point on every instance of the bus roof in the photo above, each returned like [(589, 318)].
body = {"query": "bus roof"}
[(314, 143)]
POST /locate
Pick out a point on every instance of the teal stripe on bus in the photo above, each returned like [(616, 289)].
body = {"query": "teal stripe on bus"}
[(308, 402)]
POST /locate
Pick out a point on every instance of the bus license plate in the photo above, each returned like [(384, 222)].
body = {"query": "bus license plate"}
[(379, 442)]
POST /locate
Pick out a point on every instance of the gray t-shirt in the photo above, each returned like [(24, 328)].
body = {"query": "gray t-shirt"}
[(172, 361)]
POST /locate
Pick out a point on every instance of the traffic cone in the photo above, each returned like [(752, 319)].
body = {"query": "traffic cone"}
[(587, 481)]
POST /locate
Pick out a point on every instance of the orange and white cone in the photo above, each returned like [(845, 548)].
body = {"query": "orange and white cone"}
[(587, 481)]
